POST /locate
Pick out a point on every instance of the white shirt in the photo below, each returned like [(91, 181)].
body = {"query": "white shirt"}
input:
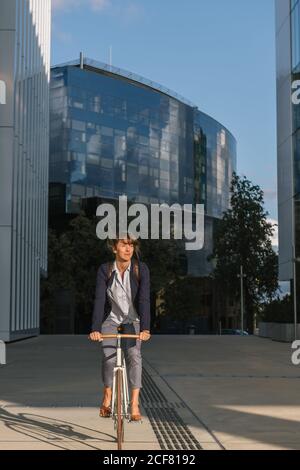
[(119, 293)]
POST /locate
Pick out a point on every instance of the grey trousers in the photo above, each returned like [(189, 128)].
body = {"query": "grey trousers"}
[(132, 352)]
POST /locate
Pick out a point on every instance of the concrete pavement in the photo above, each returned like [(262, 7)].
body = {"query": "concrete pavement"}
[(220, 392)]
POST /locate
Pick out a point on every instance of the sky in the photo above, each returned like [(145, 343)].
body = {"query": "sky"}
[(219, 54)]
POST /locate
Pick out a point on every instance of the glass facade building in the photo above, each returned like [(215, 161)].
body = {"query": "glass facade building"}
[(288, 137), (24, 162), (115, 133), (295, 144)]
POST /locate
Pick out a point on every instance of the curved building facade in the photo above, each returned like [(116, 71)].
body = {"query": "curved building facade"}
[(115, 133)]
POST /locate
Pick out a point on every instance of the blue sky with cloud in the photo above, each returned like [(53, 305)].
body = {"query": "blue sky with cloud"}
[(219, 54)]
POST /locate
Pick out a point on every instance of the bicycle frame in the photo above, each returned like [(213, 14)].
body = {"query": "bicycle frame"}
[(120, 365)]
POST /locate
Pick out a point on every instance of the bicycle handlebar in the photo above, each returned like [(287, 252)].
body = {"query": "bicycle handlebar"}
[(120, 336)]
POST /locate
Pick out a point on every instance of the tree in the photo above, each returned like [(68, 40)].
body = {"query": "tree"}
[(73, 259), (243, 237), (165, 259)]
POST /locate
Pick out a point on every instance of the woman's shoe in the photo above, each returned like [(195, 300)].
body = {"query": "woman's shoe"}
[(105, 411), (135, 417)]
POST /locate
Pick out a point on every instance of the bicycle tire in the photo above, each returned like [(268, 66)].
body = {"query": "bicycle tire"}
[(120, 423)]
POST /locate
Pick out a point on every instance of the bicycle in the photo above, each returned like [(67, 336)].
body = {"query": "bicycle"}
[(120, 392)]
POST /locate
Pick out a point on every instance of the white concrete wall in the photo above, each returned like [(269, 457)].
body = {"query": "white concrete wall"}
[(24, 151), (278, 331)]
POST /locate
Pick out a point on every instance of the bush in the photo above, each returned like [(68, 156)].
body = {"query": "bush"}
[(278, 311)]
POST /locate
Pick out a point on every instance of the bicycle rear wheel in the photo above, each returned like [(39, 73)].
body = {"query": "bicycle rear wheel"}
[(120, 419)]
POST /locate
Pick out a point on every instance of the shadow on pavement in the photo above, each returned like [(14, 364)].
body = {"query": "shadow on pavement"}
[(52, 431)]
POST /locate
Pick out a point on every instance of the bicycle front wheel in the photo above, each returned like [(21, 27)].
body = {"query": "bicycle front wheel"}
[(120, 418)]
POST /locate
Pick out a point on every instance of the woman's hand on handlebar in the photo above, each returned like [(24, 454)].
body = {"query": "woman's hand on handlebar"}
[(96, 336), (145, 335)]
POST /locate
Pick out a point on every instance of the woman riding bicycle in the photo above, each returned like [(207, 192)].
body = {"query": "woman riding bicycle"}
[(122, 299)]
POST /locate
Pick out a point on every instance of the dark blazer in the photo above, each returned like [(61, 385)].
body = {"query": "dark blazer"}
[(140, 293)]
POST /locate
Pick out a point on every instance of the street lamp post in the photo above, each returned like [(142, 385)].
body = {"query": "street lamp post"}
[(295, 292), (216, 320), (241, 276), (295, 259)]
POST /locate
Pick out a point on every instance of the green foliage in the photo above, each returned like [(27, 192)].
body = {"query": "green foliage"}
[(73, 259), (243, 236), (163, 258), (182, 300), (278, 311)]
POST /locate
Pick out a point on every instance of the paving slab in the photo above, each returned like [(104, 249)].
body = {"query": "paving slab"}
[(228, 392)]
